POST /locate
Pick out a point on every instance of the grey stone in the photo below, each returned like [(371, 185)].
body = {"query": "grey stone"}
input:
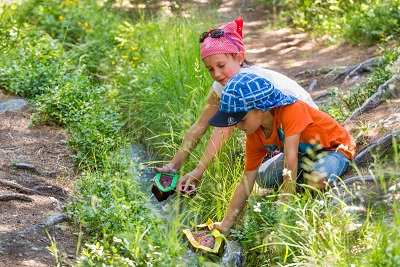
[(12, 104)]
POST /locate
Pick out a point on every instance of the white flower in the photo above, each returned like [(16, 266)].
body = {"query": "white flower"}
[(328, 226), (271, 236), (116, 239), (257, 207), (287, 172)]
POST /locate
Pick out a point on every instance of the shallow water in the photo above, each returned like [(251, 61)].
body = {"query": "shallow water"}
[(232, 256)]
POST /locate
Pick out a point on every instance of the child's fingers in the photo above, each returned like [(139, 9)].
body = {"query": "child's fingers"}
[(186, 186), (163, 169)]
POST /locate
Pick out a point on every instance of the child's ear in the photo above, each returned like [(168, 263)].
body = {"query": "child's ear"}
[(240, 57)]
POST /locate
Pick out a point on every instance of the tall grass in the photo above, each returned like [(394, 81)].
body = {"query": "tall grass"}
[(317, 232), (168, 79)]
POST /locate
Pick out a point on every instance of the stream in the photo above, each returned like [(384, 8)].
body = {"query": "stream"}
[(232, 255)]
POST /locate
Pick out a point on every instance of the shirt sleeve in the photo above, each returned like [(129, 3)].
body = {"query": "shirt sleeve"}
[(218, 88), (255, 151), (291, 120)]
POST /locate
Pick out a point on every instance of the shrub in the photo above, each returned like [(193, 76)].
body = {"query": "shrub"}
[(357, 21)]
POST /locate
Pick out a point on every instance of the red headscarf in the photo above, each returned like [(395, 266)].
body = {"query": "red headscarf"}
[(223, 45)]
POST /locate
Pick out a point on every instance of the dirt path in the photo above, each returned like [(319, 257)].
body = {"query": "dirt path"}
[(37, 157), (34, 166)]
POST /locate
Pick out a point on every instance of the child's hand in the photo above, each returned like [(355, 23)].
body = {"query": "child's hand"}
[(166, 168), (189, 181), (220, 227)]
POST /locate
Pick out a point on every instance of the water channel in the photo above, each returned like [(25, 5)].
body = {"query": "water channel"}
[(232, 256)]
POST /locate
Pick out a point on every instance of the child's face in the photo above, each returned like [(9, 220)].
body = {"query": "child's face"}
[(222, 67), (253, 120)]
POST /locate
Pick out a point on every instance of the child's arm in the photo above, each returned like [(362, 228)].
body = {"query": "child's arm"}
[(194, 134), (217, 139), (238, 200), (291, 152)]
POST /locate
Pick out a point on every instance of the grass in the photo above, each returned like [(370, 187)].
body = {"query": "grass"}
[(317, 232), (114, 77)]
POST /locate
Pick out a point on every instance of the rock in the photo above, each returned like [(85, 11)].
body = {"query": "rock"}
[(12, 104), (394, 188)]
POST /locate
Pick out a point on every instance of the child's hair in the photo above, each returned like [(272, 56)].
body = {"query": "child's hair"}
[(247, 63)]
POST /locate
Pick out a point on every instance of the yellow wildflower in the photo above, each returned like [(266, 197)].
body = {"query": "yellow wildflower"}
[(124, 56), (61, 17), (88, 30), (70, 3), (134, 48), (113, 62)]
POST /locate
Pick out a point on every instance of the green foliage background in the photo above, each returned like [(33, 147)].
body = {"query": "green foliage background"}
[(356, 21)]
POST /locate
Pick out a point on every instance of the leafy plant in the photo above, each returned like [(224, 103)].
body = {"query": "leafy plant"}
[(355, 21), (342, 104)]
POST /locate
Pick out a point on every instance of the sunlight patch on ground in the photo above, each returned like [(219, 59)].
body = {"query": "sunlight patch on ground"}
[(31, 263), (255, 51)]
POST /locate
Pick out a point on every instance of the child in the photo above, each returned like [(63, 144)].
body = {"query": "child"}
[(223, 54), (272, 120)]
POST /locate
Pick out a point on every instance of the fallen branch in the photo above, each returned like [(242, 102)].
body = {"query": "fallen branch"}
[(330, 73), (369, 178), (359, 68), (9, 197), (26, 166), (314, 72), (366, 154), (48, 221), (21, 188), (387, 90), (321, 96), (313, 85), (51, 188)]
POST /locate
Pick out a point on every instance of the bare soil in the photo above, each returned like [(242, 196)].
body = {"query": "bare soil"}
[(37, 157)]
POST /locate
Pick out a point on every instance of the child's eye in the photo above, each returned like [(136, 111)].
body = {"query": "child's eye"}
[(221, 66)]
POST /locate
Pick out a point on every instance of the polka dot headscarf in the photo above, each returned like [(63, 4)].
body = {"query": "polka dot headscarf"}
[(231, 42)]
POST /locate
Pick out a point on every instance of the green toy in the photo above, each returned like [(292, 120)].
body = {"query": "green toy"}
[(164, 185)]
